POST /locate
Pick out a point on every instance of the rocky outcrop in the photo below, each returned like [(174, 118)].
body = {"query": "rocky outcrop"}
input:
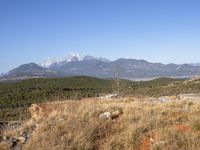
[(15, 142), (39, 111)]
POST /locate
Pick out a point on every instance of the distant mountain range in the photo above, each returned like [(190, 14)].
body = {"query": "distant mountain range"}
[(76, 65)]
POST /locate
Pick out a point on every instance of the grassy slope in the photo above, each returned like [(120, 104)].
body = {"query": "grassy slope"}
[(142, 126)]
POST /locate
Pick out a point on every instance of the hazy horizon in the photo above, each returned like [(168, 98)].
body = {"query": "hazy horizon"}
[(156, 31)]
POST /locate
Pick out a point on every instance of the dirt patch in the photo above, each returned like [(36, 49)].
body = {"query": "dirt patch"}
[(145, 144), (182, 127)]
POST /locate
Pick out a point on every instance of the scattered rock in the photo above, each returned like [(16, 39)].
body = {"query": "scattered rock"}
[(163, 99), (108, 96), (39, 111), (105, 116), (13, 143), (25, 134), (22, 139), (112, 116), (5, 138)]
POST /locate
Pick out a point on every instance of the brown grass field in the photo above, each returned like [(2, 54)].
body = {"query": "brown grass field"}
[(141, 125)]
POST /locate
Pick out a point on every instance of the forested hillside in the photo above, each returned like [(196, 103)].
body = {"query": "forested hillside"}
[(23, 93)]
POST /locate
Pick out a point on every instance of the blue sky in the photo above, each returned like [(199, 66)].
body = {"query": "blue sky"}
[(156, 30)]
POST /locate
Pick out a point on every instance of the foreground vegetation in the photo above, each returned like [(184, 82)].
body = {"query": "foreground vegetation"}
[(141, 125)]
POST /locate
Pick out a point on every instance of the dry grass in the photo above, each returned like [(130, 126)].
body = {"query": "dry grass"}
[(75, 125)]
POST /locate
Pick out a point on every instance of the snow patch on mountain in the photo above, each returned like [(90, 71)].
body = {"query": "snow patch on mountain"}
[(49, 62)]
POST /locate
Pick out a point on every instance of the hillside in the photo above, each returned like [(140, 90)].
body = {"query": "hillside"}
[(19, 95), (156, 114)]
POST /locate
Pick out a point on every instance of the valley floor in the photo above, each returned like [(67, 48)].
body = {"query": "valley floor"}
[(108, 124)]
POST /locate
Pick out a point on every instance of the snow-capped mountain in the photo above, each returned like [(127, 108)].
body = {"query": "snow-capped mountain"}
[(72, 56), (51, 62)]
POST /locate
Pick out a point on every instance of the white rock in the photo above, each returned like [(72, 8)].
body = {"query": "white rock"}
[(105, 116), (22, 139)]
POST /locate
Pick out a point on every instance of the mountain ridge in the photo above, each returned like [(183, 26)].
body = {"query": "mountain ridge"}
[(75, 64), (125, 68)]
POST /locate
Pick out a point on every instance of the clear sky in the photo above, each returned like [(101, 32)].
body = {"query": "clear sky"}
[(165, 31)]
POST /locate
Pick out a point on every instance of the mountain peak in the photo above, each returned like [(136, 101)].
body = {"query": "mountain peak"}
[(72, 56), (30, 67), (51, 61)]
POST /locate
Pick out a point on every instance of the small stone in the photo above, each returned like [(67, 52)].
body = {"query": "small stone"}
[(151, 139), (105, 116), (25, 134), (4, 138), (22, 139), (13, 143), (61, 119)]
